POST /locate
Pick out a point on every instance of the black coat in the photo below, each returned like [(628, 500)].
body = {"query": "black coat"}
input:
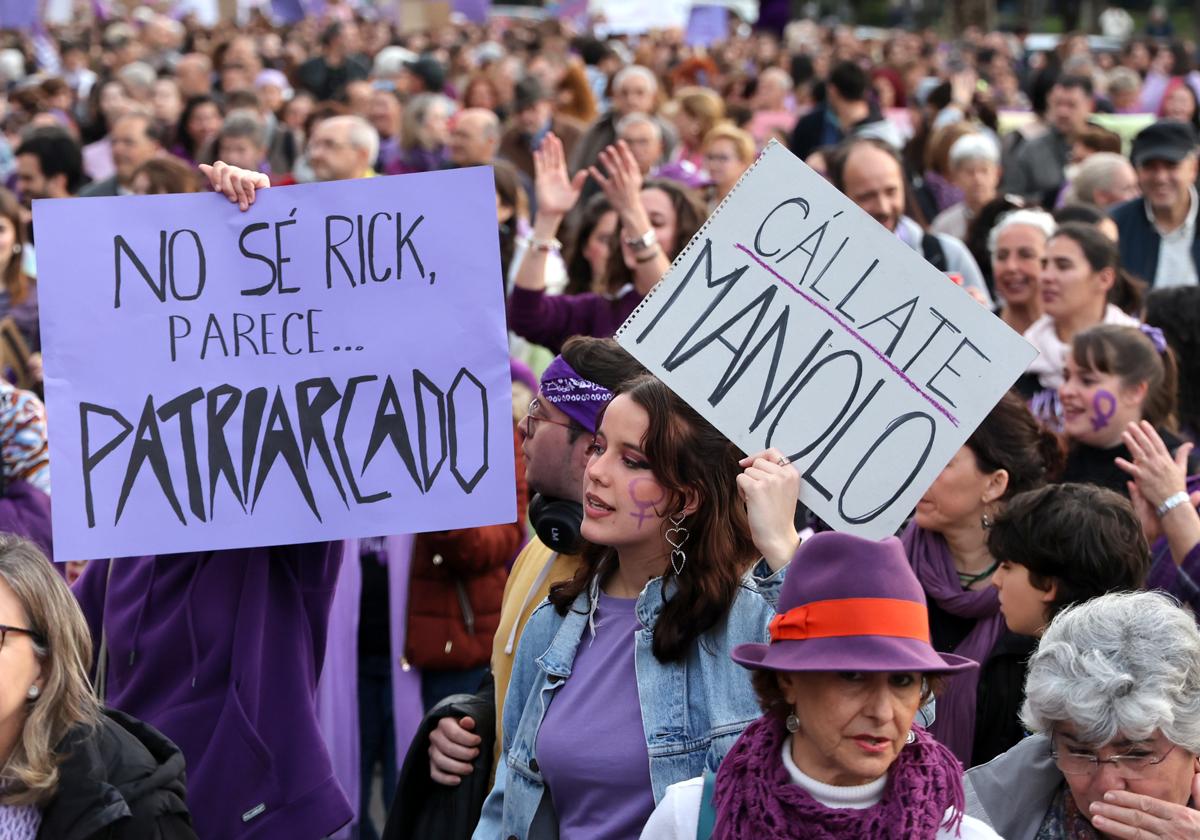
[(1140, 241), (122, 780), (424, 809)]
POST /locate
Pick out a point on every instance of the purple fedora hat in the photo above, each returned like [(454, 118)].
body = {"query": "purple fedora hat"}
[(850, 604)]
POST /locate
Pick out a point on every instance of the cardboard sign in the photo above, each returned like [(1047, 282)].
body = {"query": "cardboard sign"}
[(18, 14), (414, 16), (795, 320), (332, 363), (707, 25)]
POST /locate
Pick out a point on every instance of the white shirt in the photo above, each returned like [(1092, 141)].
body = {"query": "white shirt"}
[(678, 814), (1175, 264)]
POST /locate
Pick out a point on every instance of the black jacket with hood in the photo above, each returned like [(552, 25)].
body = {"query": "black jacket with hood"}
[(120, 780)]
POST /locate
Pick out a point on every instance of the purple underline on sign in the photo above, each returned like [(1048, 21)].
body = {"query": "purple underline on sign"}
[(953, 420)]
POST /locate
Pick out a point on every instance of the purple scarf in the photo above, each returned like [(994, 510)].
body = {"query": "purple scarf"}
[(931, 560), (755, 798)]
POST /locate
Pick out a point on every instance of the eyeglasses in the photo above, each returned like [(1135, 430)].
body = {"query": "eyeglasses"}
[(5, 630), (1135, 765), (532, 416)]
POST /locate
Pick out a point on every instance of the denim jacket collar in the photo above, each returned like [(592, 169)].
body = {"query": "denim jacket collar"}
[(558, 658)]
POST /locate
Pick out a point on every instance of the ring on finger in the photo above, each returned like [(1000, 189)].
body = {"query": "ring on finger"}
[(784, 461)]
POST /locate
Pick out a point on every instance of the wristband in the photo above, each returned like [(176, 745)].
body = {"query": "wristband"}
[(639, 243), (545, 245), (1171, 502), (648, 255)]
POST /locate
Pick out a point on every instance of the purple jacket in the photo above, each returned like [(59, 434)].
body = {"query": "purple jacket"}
[(221, 651), (549, 320), (25, 511), (1179, 579)]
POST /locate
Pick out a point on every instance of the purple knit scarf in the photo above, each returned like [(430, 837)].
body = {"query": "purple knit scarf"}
[(755, 798), (931, 560)]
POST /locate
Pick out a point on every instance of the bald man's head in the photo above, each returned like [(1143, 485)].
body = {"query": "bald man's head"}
[(474, 137)]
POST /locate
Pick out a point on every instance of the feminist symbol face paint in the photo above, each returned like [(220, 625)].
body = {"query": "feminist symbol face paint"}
[(646, 506), (1104, 406)]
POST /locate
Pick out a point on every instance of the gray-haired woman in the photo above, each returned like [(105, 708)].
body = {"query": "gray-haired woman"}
[(1113, 694)]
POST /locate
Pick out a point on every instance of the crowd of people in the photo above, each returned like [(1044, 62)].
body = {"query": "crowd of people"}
[(1021, 660)]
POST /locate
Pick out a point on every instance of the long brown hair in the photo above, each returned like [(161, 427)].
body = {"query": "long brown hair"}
[(63, 644), (16, 281), (692, 461), (689, 216), (582, 105)]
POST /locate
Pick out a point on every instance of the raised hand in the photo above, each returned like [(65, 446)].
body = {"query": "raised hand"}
[(556, 191), (622, 184), (1156, 472)]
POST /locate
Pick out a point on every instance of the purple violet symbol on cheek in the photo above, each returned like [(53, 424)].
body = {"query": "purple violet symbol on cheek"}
[(1104, 406), (645, 506)]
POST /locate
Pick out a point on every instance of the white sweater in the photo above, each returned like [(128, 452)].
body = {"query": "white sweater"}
[(678, 814)]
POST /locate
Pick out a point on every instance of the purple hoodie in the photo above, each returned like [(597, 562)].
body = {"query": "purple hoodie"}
[(25, 511), (221, 651)]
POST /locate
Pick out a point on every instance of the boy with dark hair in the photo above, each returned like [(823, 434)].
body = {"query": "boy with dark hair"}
[(1063, 544)]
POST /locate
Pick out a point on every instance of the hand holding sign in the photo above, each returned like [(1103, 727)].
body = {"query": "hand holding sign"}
[(235, 183), (768, 486)]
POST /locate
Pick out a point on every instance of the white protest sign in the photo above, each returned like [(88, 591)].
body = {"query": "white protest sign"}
[(795, 320)]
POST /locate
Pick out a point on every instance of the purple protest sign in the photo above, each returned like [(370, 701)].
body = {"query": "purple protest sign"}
[(332, 363), (18, 14), (287, 11), (475, 11), (707, 25)]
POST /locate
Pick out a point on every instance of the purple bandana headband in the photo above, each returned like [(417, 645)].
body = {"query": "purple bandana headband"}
[(580, 399)]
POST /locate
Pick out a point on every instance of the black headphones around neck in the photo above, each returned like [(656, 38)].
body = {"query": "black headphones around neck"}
[(557, 522)]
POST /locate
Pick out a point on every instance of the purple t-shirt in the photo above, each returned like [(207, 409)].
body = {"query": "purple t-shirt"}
[(591, 748)]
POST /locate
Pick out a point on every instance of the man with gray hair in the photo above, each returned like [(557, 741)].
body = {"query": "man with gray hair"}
[(342, 148), (1104, 179), (643, 135), (634, 90), (1113, 697)]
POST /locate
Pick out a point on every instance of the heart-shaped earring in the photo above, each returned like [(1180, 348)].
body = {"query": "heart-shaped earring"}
[(677, 567), (676, 535)]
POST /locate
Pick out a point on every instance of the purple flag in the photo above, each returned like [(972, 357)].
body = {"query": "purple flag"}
[(707, 25), (572, 10), (332, 363), (475, 11), (287, 11), (18, 14)]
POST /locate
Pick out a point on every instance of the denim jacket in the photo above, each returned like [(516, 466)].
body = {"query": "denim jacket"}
[(693, 710)]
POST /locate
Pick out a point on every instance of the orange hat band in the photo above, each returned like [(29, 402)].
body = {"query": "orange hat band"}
[(853, 617)]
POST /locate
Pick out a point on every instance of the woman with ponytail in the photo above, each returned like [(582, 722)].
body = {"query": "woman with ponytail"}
[(1115, 376), (1119, 404), (622, 683)]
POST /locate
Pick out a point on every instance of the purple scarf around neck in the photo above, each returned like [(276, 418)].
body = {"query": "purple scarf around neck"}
[(755, 798), (931, 560)]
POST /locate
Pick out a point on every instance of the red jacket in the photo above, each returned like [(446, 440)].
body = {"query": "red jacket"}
[(457, 584)]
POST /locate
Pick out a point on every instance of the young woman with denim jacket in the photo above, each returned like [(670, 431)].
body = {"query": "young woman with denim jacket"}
[(622, 683)]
